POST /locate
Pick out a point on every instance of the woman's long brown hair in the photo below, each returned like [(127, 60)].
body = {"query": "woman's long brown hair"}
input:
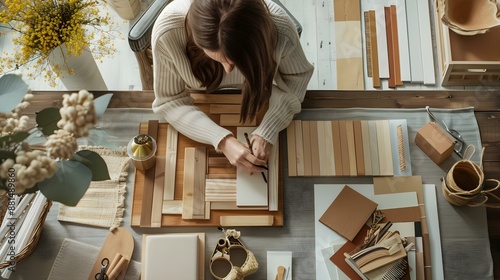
[(245, 34)]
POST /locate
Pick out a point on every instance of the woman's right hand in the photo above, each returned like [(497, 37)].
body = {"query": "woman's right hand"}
[(239, 155)]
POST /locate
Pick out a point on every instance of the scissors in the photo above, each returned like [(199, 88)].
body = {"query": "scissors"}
[(459, 145), (102, 275)]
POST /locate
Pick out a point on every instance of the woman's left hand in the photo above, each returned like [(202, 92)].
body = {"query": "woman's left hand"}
[(261, 149)]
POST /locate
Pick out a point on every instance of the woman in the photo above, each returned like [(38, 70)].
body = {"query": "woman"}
[(209, 44)]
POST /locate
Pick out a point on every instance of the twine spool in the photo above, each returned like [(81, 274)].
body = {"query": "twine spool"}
[(464, 184)]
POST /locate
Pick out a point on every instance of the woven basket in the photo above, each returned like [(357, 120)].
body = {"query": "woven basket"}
[(35, 236)]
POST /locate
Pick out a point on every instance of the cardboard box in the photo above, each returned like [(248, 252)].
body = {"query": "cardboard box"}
[(435, 143)]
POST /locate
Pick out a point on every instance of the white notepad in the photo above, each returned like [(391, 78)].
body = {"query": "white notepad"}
[(251, 190), (175, 255)]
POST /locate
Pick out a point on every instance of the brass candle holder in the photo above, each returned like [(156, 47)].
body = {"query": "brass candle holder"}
[(142, 150)]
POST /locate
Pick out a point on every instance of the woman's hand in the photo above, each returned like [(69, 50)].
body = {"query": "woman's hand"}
[(239, 155), (261, 148)]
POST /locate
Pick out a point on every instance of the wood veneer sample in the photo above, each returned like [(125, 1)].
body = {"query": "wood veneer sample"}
[(158, 188), (395, 41), (372, 128), (323, 160), (337, 147), (344, 148), (329, 152), (292, 159), (315, 148), (306, 141), (351, 148), (367, 158), (299, 148), (374, 49), (170, 163), (390, 47), (149, 178), (348, 213), (358, 140)]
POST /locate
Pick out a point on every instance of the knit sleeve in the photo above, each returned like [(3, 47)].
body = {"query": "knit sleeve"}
[(292, 78), (172, 100)]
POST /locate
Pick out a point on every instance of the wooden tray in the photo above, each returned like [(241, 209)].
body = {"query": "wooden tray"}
[(143, 195)]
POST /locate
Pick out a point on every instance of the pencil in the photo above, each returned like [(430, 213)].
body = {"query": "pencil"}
[(251, 151)]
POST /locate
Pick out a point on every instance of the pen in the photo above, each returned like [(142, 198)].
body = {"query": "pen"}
[(251, 151)]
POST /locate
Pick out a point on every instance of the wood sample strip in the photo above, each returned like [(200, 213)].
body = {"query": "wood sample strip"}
[(199, 182), (245, 221), (384, 148), (395, 41), (374, 49), (225, 109), (368, 47), (157, 205), (401, 148), (337, 149), (351, 148), (426, 47), (313, 128), (372, 128), (299, 148), (234, 120), (170, 163), (292, 159), (273, 178), (329, 152), (188, 183), (306, 141), (344, 148), (322, 147), (358, 141), (389, 165), (390, 47), (193, 197), (147, 196), (349, 50), (367, 161)]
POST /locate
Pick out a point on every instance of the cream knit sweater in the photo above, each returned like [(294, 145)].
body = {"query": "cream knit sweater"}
[(173, 78)]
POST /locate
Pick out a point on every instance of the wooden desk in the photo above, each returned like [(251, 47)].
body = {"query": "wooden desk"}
[(297, 234)]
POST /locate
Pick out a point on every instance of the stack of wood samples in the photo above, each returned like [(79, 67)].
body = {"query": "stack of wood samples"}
[(348, 148), (193, 185)]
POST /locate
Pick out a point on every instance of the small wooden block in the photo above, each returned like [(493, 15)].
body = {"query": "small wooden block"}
[(246, 221), (172, 207)]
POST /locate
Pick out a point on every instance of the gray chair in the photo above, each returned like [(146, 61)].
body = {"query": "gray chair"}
[(139, 38)]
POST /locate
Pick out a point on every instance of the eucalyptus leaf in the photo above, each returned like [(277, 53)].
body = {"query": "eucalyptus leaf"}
[(101, 104), (12, 91), (47, 119), (94, 162), (69, 184), (6, 155), (36, 138), (14, 138)]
